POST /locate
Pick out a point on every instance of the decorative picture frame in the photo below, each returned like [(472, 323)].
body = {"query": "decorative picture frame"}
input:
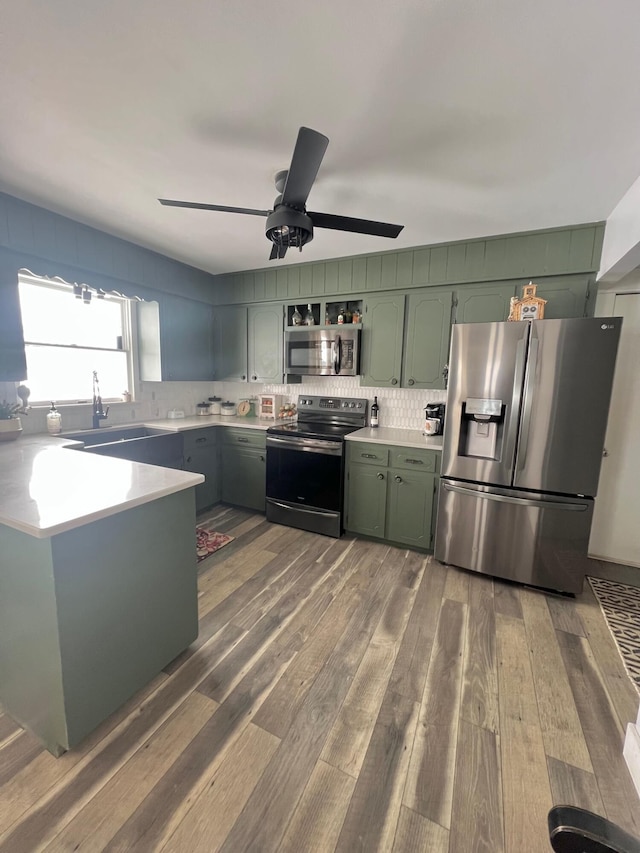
[(529, 306)]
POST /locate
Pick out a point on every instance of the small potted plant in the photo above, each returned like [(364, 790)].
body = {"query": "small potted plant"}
[(10, 426)]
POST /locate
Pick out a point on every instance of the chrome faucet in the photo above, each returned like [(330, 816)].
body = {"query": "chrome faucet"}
[(99, 414)]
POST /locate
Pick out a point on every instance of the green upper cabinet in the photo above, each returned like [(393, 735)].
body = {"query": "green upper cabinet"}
[(175, 340), (407, 352), (426, 346), (489, 302), (566, 296), (248, 342), (382, 336), (485, 303), (230, 343), (265, 342)]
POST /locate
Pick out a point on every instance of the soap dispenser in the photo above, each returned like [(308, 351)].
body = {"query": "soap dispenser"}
[(54, 420)]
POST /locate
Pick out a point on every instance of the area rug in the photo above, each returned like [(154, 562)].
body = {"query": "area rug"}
[(208, 541), (620, 604)]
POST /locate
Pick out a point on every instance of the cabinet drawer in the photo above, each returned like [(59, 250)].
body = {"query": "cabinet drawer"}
[(368, 453), (245, 437), (415, 459), (194, 439)]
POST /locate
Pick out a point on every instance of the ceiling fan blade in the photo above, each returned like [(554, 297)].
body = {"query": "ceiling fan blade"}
[(277, 252), (305, 162), (358, 226), (172, 203)]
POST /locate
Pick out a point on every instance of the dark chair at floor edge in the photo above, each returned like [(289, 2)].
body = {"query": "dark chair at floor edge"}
[(574, 830)]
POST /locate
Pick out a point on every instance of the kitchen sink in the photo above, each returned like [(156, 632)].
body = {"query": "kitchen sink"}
[(110, 435), (136, 443)]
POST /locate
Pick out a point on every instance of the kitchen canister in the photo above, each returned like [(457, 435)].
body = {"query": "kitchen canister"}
[(202, 408), (214, 405), (228, 408)]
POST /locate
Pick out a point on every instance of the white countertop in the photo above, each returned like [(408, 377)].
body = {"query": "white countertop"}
[(199, 421), (47, 488), (394, 435), (380, 435)]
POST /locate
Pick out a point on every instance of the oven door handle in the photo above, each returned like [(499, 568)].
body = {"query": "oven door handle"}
[(337, 354), (306, 445), (304, 509)]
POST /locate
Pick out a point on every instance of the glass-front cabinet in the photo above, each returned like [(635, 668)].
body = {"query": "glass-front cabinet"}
[(325, 313)]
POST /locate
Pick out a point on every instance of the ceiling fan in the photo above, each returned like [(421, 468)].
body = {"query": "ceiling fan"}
[(290, 225)]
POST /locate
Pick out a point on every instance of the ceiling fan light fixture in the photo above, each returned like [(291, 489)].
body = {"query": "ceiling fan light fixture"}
[(289, 228)]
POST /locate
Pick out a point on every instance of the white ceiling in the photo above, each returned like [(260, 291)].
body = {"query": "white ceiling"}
[(456, 119)]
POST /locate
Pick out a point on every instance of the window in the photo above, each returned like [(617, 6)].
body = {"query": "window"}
[(69, 332)]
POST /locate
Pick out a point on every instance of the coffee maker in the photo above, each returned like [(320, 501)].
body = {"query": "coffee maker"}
[(434, 418)]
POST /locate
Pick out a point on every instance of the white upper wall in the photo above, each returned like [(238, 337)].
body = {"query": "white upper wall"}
[(621, 247)]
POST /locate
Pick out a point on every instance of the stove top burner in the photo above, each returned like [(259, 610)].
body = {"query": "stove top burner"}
[(311, 429), (325, 417)]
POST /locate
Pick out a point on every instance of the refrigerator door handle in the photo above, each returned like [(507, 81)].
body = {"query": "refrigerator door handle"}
[(514, 415), (527, 405), (544, 504)]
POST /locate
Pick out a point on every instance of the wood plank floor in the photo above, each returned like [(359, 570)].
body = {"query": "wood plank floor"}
[(344, 695)]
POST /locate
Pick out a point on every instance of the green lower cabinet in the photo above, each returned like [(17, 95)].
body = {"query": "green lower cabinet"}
[(367, 500), (244, 468), (390, 493), (410, 507), (201, 457)]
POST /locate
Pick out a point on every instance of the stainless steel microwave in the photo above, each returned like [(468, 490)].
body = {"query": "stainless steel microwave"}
[(322, 351)]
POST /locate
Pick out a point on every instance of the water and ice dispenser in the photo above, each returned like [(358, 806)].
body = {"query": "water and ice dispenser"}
[(482, 428)]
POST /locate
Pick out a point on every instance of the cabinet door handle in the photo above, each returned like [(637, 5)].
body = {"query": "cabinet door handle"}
[(368, 455), (411, 382), (254, 378), (188, 459), (243, 376), (262, 458), (397, 478), (380, 476), (394, 381), (200, 440), (415, 461), (243, 440)]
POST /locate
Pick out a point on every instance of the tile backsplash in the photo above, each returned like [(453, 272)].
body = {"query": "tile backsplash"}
[(399, 407)]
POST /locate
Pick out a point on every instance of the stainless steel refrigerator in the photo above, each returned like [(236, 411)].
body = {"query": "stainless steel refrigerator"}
[(525, 422)]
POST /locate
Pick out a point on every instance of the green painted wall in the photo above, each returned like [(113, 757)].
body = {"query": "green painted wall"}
[(552, 252)]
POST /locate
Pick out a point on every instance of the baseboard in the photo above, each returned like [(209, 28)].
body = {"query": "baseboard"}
[(631, 563), (631, 754)]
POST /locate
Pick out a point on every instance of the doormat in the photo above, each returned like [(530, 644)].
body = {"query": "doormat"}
[(620, 605), (208, 541)]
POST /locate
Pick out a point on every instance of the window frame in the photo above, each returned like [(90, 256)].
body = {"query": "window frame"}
[(127, 327)]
